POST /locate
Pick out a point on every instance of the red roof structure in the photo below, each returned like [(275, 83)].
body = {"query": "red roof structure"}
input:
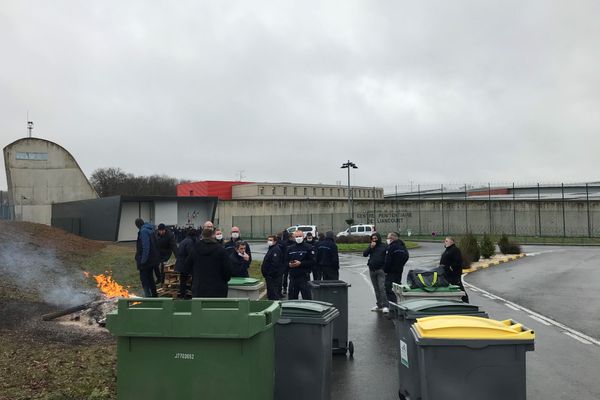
[(220, 189)]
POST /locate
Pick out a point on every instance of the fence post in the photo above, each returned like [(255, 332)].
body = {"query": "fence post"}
[(271, 224), (587, 200), (397, 208), (562, 187), (419, 207), (442, 201), (490, 206), (514, 211), (251, 228), (466, 212), (539, 211)]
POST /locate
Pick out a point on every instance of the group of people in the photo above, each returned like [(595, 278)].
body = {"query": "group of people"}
[(291, 261), (386, 265), (201, 254), (210, 260)]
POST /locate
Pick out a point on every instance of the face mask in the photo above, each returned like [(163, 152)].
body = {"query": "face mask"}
[(270, 243), (299, 240), (235, 235), (219, 236), (389, 241)]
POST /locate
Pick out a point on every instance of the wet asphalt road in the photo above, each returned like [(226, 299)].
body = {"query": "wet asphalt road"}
[(563, 309)]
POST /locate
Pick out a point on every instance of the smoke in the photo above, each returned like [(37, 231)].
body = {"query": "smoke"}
[(37, 269)]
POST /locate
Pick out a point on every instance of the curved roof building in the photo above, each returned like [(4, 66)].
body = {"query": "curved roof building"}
[(40, 173)]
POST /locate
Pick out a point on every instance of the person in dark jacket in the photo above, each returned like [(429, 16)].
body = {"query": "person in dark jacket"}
[(327, 259), (167, 245), (240, 260), (147, 256), (376, 253), (300, 260), (272, 268), (210, 266), (396, 257), (235, 237), (452, 263), (286, 241), (183, 251)]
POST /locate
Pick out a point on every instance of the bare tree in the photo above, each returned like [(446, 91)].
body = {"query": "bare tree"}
[(114, 181)]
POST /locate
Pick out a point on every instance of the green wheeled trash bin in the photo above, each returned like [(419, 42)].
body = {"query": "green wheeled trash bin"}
[(303, 350), (209, 349), (406, 313), (472, 358), (246, 288), (336, 293)]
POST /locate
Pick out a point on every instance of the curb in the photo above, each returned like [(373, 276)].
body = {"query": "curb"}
[(486, 264)]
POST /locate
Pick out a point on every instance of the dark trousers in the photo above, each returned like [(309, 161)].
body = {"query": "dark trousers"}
[(159, 271), (183, 286), (148, 283), (273, 287), (331, 274), (390, 278), (299, 285), (458, 282), (317, 274), (284, 282)]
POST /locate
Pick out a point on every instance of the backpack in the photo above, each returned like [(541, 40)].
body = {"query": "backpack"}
[(429, 281)]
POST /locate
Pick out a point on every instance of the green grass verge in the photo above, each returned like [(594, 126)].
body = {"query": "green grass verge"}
[(360, 247), (42, 370)]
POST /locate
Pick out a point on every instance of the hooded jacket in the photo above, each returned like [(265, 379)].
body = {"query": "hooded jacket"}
[(376, 254), (211, 269), (146, 253), (327, 254)]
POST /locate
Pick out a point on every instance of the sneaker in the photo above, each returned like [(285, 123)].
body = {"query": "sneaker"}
[(386, 310), (375, 309)]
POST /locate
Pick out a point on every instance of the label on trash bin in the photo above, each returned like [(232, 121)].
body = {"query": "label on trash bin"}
[(404, 354)]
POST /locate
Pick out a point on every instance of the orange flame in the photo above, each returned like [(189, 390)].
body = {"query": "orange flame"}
[(109, 287)]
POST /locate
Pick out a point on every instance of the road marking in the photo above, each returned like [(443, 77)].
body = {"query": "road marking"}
[(577, 338), (512, 307), (580, 335), (489, 296), (540, 320), (368, 280)]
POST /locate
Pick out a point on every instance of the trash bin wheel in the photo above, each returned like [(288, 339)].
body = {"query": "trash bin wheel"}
[(351, 348), (401, 396)]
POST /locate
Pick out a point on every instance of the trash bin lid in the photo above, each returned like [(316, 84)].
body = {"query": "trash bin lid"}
[(436, 306), (239, 281), (467, 327), (323, 284), (307, 311), (406, 288)]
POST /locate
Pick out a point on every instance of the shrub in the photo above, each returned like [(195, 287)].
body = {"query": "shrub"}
[(487, 246), (469, 249), (508, 246), (353, 239)]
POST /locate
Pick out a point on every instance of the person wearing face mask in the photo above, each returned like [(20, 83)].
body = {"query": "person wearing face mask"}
[(452, 263), (240, 260), (272, 267), (300, 260), (219, 236), (235, 237), (376, 254), (396, 256)]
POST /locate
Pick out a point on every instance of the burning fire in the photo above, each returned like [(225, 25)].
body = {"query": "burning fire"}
[(109, 287)]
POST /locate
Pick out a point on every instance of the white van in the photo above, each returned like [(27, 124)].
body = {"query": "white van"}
[(358, 230), (305, 229)]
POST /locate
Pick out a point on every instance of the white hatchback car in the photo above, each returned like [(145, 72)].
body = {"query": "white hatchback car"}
[(358, 230), (305, 229)]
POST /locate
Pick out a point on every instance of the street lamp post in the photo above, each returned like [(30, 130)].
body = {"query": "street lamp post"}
[(349, 165)]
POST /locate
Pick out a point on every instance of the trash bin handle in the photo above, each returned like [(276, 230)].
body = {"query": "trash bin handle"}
[(273, 310)]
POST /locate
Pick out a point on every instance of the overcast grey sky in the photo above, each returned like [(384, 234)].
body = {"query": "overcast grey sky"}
[(422, 91)]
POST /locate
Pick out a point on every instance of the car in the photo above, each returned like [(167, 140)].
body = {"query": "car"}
[(358, 230), (305, 229)]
